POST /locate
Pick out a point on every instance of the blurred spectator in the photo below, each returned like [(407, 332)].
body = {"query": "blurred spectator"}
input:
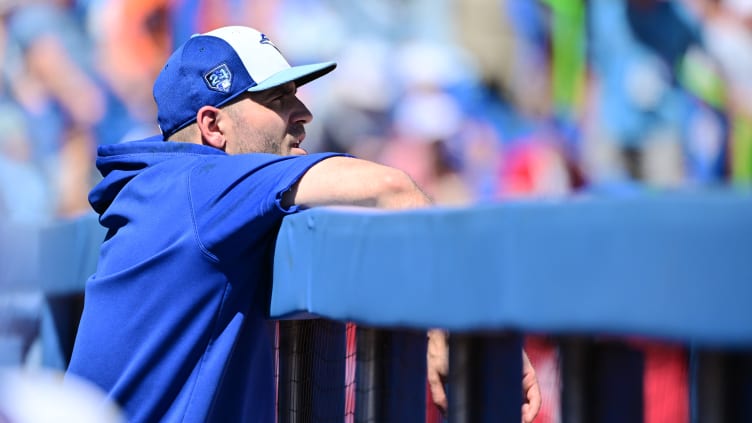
[(357, 117), (424, 123), (488, 30), (635, 107), (532, 80), (649, 20), (534, 167), (130, 42), (705, 135), (25, 204), (726, 30), (48, 48), (24, 191)]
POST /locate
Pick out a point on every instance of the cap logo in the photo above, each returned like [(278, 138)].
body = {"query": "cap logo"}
[(266, 40), (219, 78)]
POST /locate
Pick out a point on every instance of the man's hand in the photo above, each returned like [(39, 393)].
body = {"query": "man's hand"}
[(531, 391), (437, 359)]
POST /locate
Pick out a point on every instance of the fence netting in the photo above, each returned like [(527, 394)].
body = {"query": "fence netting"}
[(329, 371)]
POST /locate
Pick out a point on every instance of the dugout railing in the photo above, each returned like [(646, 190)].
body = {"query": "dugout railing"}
[(594, 274)]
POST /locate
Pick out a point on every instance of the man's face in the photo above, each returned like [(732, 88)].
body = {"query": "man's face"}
[(270, 121)]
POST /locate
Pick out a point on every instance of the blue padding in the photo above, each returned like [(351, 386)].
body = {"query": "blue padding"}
[(19, 258), (69, 251), (671, 266)]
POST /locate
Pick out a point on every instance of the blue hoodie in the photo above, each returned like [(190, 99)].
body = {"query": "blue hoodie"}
[(173, 327)]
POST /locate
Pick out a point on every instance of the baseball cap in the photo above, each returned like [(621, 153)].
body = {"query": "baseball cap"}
[(215, 67)]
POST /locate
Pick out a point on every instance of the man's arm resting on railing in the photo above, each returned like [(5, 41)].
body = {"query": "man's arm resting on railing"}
[(350, 181)]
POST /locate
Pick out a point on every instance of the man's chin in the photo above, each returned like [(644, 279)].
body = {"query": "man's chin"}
[(297, 151)]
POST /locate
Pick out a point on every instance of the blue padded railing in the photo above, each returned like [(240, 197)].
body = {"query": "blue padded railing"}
[(51, 262), (674, 267)]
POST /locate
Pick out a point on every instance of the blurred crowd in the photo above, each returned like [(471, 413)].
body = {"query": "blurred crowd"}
[(479, 100)]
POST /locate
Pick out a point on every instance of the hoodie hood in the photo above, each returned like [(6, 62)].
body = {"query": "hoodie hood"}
[(119, 163)]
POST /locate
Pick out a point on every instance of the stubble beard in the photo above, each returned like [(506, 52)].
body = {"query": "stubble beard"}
[(270, 145), (259, 142), (254, 140)]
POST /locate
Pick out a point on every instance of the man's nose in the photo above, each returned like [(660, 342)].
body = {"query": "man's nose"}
[(301, 114)]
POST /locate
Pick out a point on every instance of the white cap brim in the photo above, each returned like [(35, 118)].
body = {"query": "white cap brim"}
[(298, 74)]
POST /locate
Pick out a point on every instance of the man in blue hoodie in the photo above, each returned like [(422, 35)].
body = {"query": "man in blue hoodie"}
[(173, 327)]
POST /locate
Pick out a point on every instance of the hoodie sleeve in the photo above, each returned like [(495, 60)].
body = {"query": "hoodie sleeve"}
[(236, 200)]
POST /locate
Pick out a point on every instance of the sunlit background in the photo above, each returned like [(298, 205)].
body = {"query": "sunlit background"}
[(478, 100)]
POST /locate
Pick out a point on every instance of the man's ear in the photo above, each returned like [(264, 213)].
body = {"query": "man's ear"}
[(207, 119)]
